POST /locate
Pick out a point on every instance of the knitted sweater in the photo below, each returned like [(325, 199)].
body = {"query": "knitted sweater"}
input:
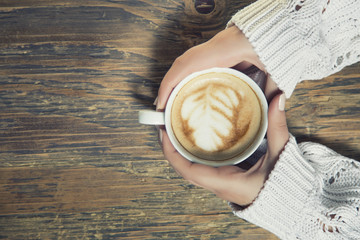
[(302, 39), (312, 192)]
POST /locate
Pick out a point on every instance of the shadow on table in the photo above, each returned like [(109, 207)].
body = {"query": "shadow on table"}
[(187, 24)]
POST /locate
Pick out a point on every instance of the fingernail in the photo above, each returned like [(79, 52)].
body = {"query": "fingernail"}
[(158, 108), (282, 101), (157, 105), (160, 135), (156, 101)]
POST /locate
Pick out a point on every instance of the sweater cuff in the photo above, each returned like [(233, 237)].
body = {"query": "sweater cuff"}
[(273, 33), (279, 205)]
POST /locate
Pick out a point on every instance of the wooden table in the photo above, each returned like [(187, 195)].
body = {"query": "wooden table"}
[(74, 162)]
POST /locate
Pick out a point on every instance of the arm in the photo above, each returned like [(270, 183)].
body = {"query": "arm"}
[(304, 191), (303, 39), (312, 193), (300, 196)]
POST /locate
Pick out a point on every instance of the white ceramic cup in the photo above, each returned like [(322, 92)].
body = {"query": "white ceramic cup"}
[(151, 117)]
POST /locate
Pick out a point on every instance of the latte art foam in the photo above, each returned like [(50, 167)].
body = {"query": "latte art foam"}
[(216, 116), (210, 117)]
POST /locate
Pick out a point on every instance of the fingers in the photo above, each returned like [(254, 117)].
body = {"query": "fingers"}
[(210, 178), (230, 183), (195, 173), (271, 89), (277, 133), (191, 61), (175, 159), (227, 49)]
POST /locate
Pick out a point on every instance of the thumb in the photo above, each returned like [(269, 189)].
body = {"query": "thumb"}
[(277, 133)]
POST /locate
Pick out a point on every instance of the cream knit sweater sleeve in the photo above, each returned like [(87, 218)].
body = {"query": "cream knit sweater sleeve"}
[(312, 193), (302, 39)]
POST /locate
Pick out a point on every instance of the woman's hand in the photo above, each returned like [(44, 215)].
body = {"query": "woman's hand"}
[(229, 48), (232, 183)]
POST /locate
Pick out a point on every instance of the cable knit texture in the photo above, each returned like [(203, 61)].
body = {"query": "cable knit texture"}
[(312, 193), (302, 39)]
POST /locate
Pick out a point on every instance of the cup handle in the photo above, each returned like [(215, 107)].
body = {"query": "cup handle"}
[(151, 117)]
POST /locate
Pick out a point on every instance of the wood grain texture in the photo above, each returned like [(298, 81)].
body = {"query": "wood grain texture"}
[(74, 162), (327, 111)]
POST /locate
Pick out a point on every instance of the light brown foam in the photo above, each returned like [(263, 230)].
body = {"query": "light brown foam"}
[(216, 116)]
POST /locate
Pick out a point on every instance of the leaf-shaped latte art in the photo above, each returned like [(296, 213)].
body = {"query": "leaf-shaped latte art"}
[(210, 117)]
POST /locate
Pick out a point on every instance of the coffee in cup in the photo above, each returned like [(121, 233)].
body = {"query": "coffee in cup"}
[(216, 117)]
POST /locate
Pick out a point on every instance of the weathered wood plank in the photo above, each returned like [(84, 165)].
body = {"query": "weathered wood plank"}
[(327, 111), (74, 163)]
